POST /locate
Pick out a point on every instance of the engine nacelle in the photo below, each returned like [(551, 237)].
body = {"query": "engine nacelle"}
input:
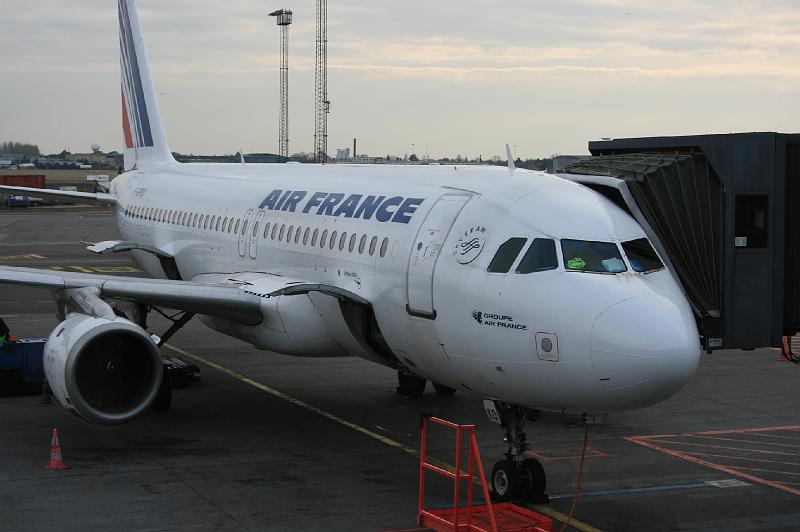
[(106, 370)]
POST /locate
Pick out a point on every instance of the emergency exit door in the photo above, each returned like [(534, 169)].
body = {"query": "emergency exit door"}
[(254, 235), (243, 233), (426, 251)]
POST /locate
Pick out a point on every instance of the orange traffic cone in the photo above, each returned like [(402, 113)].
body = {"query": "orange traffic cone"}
[(55, 453)]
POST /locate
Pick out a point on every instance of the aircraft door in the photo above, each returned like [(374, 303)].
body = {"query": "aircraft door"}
[(254, 231), (425, 253), (243, 233)]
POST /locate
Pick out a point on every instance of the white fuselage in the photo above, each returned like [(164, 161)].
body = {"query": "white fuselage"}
[(616, 341)]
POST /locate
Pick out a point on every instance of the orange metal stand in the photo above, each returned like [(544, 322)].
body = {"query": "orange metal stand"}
[(486, 518)]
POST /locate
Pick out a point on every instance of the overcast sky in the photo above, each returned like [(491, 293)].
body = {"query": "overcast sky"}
[(458, 77)]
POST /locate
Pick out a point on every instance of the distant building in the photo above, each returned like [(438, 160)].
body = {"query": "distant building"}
[(264, 158), (94, 157), (343, 154), (560, 161)]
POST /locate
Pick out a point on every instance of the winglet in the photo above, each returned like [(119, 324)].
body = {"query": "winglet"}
[(511, 166)]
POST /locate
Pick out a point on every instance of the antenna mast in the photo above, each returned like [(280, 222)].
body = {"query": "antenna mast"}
[(283, 17), (322, 106)]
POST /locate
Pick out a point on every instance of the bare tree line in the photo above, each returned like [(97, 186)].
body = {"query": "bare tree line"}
[(19, 148)]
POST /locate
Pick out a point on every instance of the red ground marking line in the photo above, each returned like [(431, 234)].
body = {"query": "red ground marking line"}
[(595, 454), (767, 471), (744, 449), (744, 458), (777, 436), (731, 471), (736, 431), (745, 441)]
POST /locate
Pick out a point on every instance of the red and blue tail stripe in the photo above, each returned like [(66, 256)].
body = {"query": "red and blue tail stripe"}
[(135, 120)]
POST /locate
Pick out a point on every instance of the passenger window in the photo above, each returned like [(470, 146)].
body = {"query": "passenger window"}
[(274, 231), (266, 230), (324, 238), (280, 233), (541, 256), (592, 256), (642, 256), (384, 247), (314, 237), (289, 234), (213, 223), (305, 235), (244, 227), (333, 240), (297, 235), (254, 234), (362, 243), (506, 255), (205, 222), (352, 245), (372, 245), (342, 241), (236, 229)]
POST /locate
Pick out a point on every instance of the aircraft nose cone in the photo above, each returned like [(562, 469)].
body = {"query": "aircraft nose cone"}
[(643, 350)]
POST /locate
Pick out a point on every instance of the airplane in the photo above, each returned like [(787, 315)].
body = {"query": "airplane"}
[(526, 289)]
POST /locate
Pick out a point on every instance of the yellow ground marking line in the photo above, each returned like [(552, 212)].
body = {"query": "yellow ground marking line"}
[(546, 510)]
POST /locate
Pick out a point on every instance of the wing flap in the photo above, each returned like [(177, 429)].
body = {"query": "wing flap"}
[(69, 195), (223, 300)]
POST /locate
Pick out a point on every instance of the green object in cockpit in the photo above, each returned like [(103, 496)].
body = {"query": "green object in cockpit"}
[(576, 263)]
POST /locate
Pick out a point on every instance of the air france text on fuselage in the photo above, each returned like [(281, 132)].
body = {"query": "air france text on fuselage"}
[(381, 208)]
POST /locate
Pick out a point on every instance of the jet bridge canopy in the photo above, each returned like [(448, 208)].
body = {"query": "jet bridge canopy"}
[(723, 211)]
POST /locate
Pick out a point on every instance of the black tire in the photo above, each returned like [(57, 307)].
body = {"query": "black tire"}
[(441, 389), (506, 481), (410, 385), (163, 400), (535, 479)]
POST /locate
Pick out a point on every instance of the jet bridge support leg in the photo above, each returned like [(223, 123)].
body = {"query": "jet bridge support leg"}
[(518, 476)]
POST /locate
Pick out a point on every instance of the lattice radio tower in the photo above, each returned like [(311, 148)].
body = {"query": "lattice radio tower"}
[(322, 105), (283, 17)]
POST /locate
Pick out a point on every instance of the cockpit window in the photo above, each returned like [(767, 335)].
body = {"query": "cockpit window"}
[(642, 256), (506, 255), (591, 256), (540, 256)]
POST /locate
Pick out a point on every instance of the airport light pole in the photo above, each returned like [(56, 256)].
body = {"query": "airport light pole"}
[(283, 17)]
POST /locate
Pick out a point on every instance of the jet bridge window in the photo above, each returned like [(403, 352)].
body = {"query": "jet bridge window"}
[(642, 256), (592, 256), (752, 221), (506, 254), (541, 256)]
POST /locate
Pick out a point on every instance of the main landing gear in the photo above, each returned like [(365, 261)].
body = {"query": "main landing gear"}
[(518, 476), (411, 385)]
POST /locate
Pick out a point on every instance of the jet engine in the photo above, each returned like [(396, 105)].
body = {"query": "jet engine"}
[(104, 369)]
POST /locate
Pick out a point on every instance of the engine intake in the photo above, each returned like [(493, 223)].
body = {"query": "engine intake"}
[(104, 370)]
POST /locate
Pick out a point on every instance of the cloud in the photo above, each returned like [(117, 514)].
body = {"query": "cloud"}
[(204, 52)]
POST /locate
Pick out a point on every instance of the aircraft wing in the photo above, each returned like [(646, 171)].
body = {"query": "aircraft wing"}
[(237, 297), (48, 193)]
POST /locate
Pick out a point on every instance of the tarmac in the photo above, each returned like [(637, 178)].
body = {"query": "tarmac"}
[(271, 442)]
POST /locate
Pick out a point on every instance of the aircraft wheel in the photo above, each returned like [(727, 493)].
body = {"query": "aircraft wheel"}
[(535, 480), (164, 398), (441, 389), (506, 481), (410, 385)]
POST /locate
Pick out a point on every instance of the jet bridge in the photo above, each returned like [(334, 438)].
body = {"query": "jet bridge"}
[(724, 213)]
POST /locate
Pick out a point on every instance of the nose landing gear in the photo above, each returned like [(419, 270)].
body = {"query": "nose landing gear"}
[(518, 476)]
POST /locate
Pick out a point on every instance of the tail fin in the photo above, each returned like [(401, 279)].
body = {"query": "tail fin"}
[(145, 143)]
